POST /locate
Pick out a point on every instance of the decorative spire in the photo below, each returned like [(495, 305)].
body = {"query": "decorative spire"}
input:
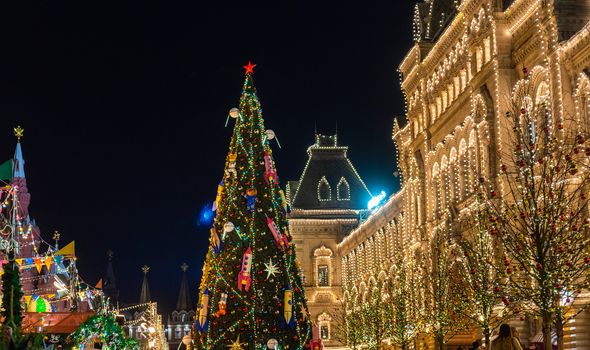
[(110, 283), (18, 132), (184, 296), (145, 288), (18, 170), (56, 236)]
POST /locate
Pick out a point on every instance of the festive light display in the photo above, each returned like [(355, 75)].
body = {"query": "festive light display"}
[(251, 291), (479, 281), (104, 330), (541, 220)]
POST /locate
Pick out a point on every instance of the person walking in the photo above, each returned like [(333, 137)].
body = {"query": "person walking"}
[(505, 340)]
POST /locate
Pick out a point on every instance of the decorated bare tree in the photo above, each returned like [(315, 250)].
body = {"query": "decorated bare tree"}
[(401, 305), (443, 302), (480, 282), (537, 209), (374, 315), (351, 330)]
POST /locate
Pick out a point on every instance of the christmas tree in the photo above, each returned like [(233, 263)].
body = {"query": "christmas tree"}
[(251, 294)]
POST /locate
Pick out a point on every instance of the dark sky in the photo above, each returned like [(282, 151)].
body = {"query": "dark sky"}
[(124, 103)]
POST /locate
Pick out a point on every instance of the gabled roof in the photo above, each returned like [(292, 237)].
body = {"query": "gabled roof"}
[(431, 17), (328, 167)]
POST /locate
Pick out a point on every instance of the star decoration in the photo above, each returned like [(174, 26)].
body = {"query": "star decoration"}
[(271, 269), (236, 345), (249, 68)]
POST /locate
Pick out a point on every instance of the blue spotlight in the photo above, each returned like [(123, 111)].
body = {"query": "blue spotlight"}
[(206, 215), (376, 201)]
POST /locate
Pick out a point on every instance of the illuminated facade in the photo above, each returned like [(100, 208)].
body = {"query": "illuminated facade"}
[(467, 61), (326, 204)]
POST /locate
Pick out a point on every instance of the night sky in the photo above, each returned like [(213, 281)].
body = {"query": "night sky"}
[(124, 103)]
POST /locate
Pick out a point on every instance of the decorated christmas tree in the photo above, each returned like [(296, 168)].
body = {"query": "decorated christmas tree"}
[(251, 294)]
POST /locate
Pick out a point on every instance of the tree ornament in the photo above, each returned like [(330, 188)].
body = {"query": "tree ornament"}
[(222, 305), (280, 239), (288, 318), (271, 269), (244, 278), (231, 166), (234, 113), (270, 175), (236, 345), (220, 187), (228, 227), (251, 199), (217, 244), (272, 343), (202, 323), (249, 68)]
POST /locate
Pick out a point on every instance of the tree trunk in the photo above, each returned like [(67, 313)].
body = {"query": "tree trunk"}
[(559, 331), (440, 342), (487, 335), (547, 320)]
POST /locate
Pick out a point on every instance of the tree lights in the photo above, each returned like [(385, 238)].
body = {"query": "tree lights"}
[(251, 291)]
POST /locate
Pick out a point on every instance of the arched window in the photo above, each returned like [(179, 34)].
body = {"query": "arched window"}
[(343, 190), (324, 321), (322, 258), (324, 190)]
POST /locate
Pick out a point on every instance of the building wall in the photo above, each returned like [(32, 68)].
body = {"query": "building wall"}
[(316, 243), (458, 90)]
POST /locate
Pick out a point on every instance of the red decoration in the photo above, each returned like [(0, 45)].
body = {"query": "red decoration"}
[(249, 68)]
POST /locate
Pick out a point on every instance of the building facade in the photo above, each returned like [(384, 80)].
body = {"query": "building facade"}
[(326, 204), (467, 60)]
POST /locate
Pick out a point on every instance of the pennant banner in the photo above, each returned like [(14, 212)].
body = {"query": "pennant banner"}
[(68, 251)]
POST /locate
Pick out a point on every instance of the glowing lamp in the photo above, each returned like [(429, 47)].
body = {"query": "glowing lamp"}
[(376, 200)]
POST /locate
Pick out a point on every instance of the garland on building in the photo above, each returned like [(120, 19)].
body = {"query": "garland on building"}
[(251, 294)]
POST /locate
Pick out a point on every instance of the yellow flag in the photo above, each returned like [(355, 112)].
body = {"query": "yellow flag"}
[(19, 261), (27, 299), (69, 250)]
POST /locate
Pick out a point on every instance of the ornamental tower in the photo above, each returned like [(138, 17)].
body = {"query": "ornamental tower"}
[(181, 319)]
